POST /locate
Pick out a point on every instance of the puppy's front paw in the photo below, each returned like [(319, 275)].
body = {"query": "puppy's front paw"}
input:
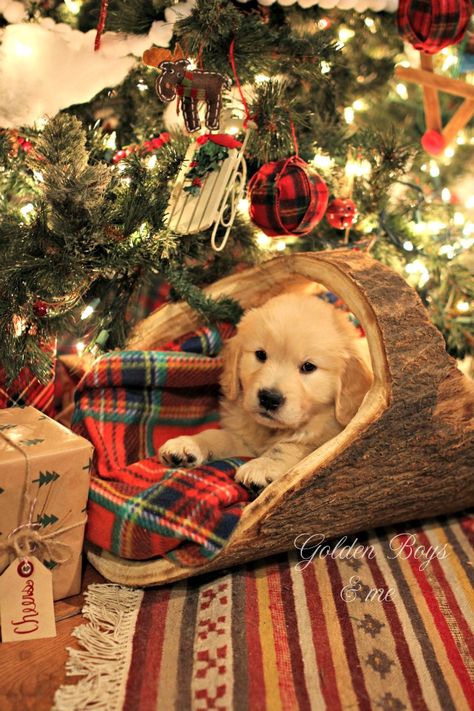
[(181, 452), (258, 472)]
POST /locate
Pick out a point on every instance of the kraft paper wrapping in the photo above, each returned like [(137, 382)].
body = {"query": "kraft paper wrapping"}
[(59, 474)]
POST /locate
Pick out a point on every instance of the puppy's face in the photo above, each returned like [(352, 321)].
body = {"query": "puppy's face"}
[(288, 362)]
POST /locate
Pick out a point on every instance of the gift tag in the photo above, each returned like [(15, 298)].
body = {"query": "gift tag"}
[(26, 601)]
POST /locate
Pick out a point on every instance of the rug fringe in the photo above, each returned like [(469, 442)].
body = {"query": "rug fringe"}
[(103, 661)]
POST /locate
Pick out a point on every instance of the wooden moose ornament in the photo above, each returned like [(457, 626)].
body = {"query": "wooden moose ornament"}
[(190, 86)]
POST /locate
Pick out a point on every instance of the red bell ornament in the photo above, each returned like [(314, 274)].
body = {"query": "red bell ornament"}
[(287, 197), (341, 213)]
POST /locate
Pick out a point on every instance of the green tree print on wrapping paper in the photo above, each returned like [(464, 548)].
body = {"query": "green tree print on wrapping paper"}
[(47, 520), (50, 564), (30, 442), (7, 427), (46, 478)]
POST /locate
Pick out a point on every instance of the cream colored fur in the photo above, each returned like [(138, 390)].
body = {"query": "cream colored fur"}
[(292, 329)]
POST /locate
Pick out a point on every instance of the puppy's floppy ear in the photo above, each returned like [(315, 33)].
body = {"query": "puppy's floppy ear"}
[(230, 374), (355, 381)]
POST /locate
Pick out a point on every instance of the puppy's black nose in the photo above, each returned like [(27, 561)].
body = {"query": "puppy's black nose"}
[(270, 399)]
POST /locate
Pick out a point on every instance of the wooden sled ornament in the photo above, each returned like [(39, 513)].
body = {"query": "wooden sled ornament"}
[(406, 454), (217, 202)]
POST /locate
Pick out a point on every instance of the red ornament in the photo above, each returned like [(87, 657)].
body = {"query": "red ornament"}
[(433, 142), (40, 308), (287, 197), (341, 213)]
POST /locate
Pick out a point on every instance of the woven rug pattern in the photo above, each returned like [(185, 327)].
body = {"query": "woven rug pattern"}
[(286, 634)]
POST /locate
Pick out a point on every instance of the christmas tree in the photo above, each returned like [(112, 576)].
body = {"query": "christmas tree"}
[(89, 156)]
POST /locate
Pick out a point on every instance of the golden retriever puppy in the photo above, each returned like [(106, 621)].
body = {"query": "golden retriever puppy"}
[(293, 378)]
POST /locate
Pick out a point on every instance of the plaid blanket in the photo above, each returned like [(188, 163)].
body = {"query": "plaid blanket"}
[(129, 404)]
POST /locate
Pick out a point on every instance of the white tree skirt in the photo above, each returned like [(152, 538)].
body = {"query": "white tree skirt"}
[(358, 5)]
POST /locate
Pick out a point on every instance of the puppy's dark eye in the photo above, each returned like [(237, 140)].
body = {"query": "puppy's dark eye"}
[(308, 367), (261, 356)]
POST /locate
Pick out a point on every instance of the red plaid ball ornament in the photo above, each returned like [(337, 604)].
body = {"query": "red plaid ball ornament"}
[(431, 25), (341, 213), (287, 197)]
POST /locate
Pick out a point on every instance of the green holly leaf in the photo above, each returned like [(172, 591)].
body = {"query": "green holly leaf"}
[(46, 478)]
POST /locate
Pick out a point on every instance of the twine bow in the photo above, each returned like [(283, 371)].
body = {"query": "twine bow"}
[(26, 539)]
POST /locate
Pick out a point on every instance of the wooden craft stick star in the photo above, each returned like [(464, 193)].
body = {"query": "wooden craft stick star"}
[(432, 84)]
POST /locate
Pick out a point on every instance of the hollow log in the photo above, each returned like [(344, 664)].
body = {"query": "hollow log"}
[(408, 452)]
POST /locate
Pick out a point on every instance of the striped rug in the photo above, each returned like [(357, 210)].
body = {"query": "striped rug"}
[(292, 633)]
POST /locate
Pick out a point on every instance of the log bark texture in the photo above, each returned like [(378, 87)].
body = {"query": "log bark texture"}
[(408, 453)]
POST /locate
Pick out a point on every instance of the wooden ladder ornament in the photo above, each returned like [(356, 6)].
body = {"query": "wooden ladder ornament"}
[(432, 84)]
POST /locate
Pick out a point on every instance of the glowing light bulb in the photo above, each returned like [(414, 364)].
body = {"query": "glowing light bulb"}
[(358, 168), (151, 161), (261, 78), (461, 139), (434, 169), (470, 203), (449, 152), (462, 306), (263, 240), (73, 6), (408, 246), (468, 229), (142, 87), (418, 271), (110, 141), (345, 34), (324, 23), (27, 209), (38, 176), (80, 346), (349, 114), (322, 161), (445, 194), (232, 130), (280, 245), (325, 67), (359, 105), (447, 250), (419, 227), (458, 219), (402, 91), (243, 205), (88, 311), (369, 22), (22, 50), (449, 62)]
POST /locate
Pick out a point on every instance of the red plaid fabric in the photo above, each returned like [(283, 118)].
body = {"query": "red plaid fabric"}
[(129, 404), (287, 198), (27, 390), (431, 25)]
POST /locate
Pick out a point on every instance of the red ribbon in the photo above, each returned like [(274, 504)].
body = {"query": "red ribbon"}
[(104, 6), (237, 81), (222, 139)]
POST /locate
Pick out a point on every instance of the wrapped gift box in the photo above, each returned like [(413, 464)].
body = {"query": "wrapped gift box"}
[(44, 480)]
